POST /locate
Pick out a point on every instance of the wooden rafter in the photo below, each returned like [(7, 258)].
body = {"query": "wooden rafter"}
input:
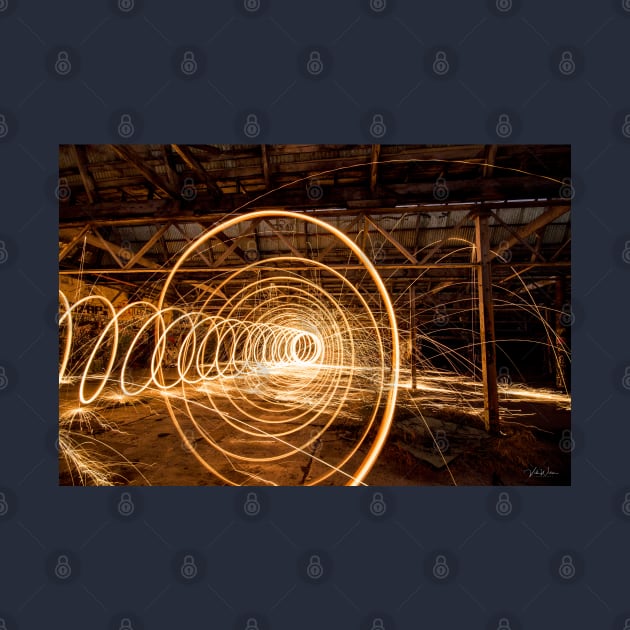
[(388, 236), (80, 157), (376, 152), (195, 165), (131, 156), (265, 165)]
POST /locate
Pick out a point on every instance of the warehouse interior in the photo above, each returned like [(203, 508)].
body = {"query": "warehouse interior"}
[(314, 314)]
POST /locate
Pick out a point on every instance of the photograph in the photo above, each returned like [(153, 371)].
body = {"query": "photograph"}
[(315, 314)]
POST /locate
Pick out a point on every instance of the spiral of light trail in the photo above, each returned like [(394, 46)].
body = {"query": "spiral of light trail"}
[(269, 362)]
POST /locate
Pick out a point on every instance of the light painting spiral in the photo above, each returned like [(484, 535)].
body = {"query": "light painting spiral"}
[(257, 366)]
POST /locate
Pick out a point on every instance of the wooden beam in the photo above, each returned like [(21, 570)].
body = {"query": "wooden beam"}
[(171, 173), (376, 151), (73, 241), (335, 241), (147, 246), (131, 156), (265, 164), (338, 266), (80, 157), (188, 240), (195, 165), (516, 235), (489, 159), (144, 212), (553, 213), (412, 331), (401, 248), (284, 240), (486, 324), (232, 245), (96, 240)]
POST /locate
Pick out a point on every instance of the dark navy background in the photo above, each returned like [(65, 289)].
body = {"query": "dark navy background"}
[(318, 71)]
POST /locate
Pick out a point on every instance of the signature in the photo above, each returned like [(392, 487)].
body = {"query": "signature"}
[(537, 471)]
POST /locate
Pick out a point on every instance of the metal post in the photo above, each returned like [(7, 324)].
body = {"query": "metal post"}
[(486, 324)]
